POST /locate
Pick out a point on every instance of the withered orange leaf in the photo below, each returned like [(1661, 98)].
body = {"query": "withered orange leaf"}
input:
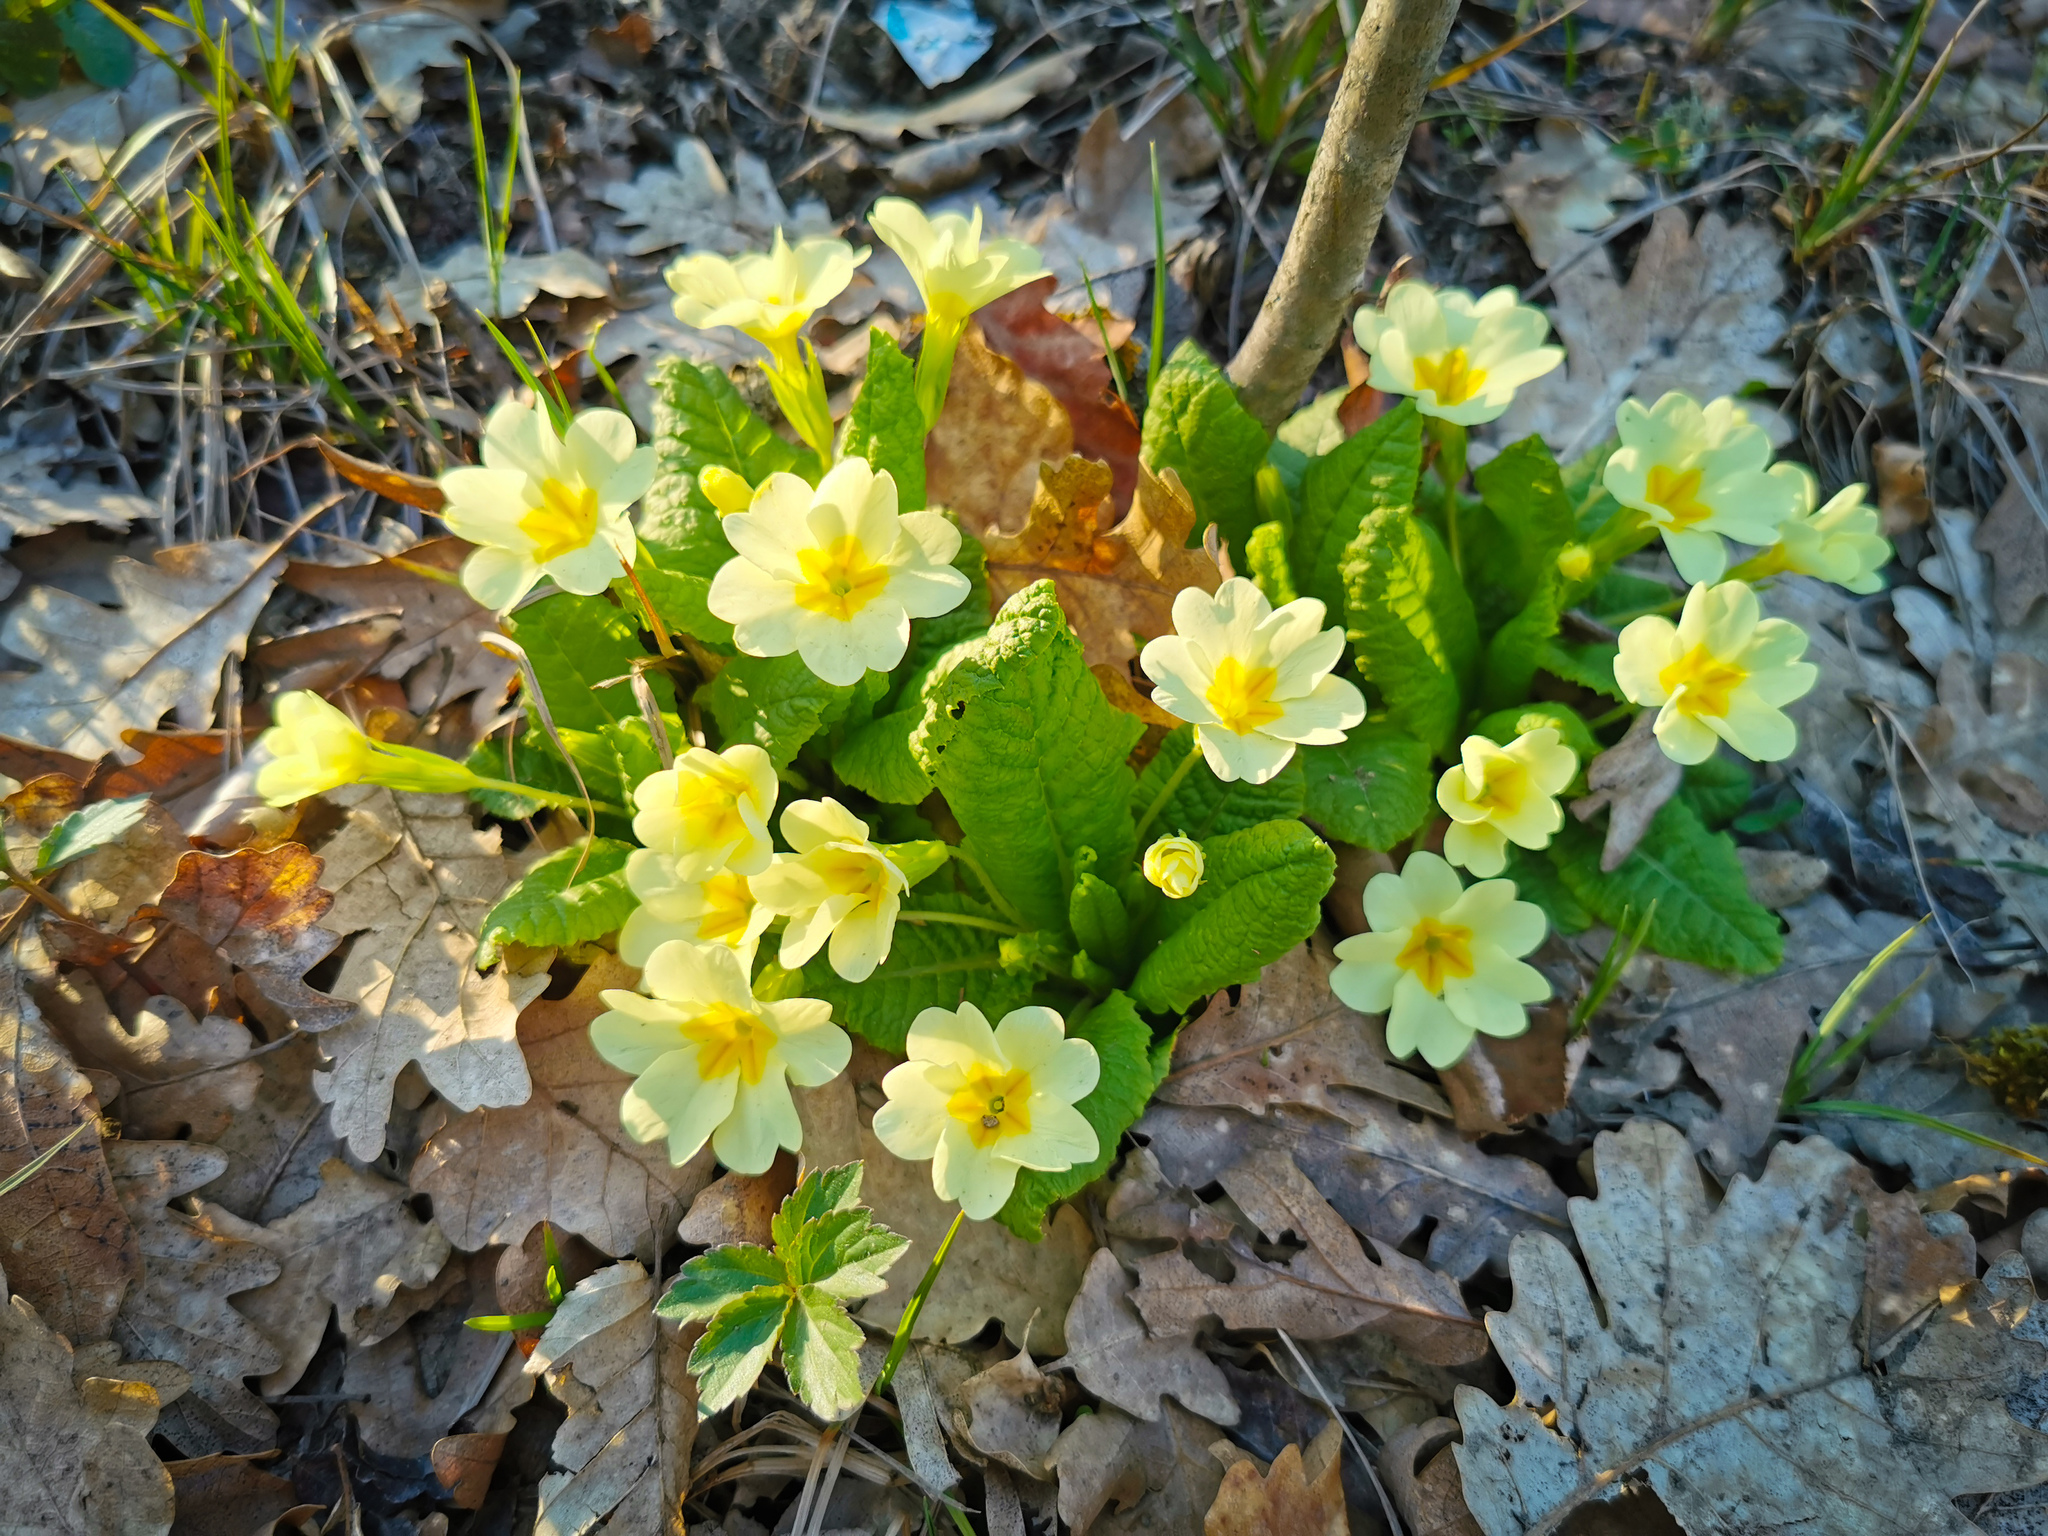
[(998, 426)]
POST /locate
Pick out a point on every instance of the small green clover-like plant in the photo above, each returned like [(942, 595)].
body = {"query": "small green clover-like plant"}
[(828, 1250)]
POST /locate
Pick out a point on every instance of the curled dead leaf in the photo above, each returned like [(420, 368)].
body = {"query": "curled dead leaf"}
[(998, 426)]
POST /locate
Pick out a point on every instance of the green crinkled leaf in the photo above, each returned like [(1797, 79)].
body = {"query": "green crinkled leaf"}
[(1620, 596), (1195, 426), (823, 1191), (821, 1354), (104, 53), (737, 1342), (717, 1278), (1101, 923), (1589, 663), (1517, 647), (544, 910), (1203, 805), (886, 425), (1374, 471), (1030, 756), (1511, 540), (1260, 895), (1538, 882), (1704, 910), (1266, 558), (775, 702), (1123, 1045), (1504, 725), (1411, 625), (1717, 789), (1372, 789), (877, 761), (929, 966), (576, 643), (92, 826)]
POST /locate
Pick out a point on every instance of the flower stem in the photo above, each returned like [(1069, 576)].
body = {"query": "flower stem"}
[(1450, 464), (662, 641), (1614, 716), (963, 919), (909, 1319), (1002, 903), (1187, 766), (547, 796)]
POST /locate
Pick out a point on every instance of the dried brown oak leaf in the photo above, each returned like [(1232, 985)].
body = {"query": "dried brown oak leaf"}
[(260, 912), (67, 1244), (412, 880), (230, 1495), (562, 1156), (1631, 780), (1113, 1354), (351, 1248), (1721, 1363), (2016, 540), (1117, 587), (180, 1310), (1699, 314), (103, 671), (983, 453), (1160, 1474), (75, 1458), (1564, 188), (181, 1077), (1286, 1039), (1302, 1494), (416, 1382), (1330, 1288), (632, 1405), (1994, 757)]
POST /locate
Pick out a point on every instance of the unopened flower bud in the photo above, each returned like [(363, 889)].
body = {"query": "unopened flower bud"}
[(725, 489), (1174, 864)]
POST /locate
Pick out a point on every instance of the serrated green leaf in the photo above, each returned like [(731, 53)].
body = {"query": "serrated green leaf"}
[(822, 1191), (737, 1342), (717, 1278), (929, 966), (886, 425), (877, 761), (574, 644), (1260, 896), (1374, 471), (1373, 789), (1030, 756), (1266, 559), (1704, 910), (821, 1354), (1537, 881), (1517, 647), (1589, 663), (1504, 725), (1123, 1046), (1717, 789), (104, 53), (1203, 805), (1411, 625), (90, 827), (858, 1256), (1196, 426), (775, 702), (545, 911)]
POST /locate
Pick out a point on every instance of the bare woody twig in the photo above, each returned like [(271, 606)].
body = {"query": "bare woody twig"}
[(1392, 60)]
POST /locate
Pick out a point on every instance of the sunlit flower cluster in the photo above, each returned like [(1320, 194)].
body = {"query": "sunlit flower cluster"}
[(1254, 681)]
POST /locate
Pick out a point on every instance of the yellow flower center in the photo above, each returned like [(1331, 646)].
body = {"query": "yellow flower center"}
[(1450, 376), (839, 581), (1678, 493), (1243, 696), (1503, 785), (852, 872), (730, 1039), (708, 802), (1435, 952), (728, 908), (564, 522), (1700, 683), (992, 1105)]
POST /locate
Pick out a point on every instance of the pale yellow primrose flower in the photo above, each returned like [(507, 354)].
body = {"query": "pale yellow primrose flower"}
[(837, 885), (835, 574), (1496, 795), (1838, 542), (712, 1064), (1441, 960), (982, 1103), (1253, 681), (769, 297), (541, 505), (314, 747), (717, 909), (1697, 473), (1722, 673), (1175, 865), (710, 811), (1461, 358)]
